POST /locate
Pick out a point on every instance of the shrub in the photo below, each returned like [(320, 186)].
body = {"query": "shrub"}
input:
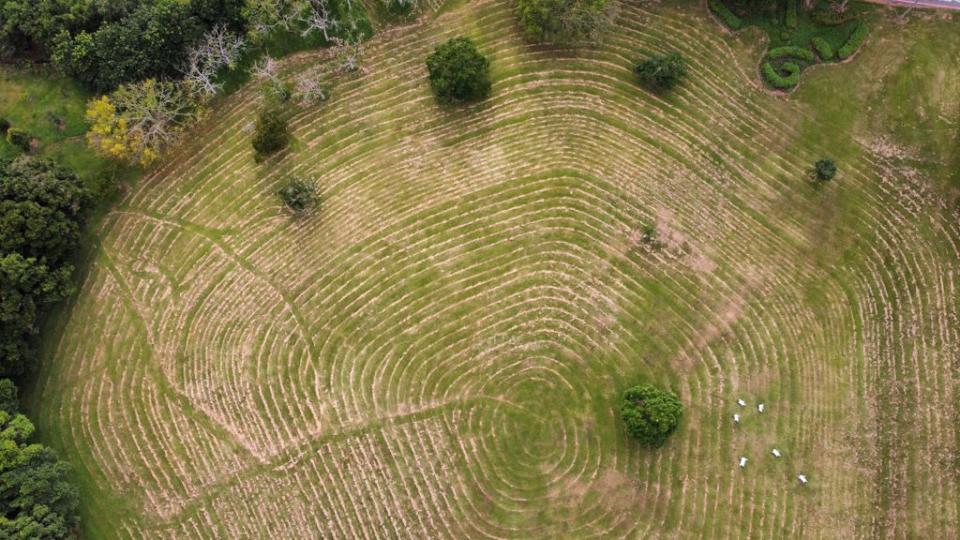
[(823, 48), (661, 72), (458, 72), (564, 21), (728, 17), (791, 51), (854, 41), (19, 138), (825, 169), (4, 126), (271, 133), (298, 194), (650, 414), (781, 82), (791, 16)]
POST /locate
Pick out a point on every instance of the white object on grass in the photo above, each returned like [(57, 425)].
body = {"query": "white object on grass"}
[(760, 407), (743, 462), (741, 403), (736, 418), (775, 452), (802, 478)]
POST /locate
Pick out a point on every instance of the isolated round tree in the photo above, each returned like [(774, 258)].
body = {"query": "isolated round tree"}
[(661, 72), (825, 169), (458, 72), (650, 413)]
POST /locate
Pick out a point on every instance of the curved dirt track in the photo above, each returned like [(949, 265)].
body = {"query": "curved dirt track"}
[(438, 352)]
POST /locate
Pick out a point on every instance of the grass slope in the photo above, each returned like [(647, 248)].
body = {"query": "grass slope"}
[(439, 351)]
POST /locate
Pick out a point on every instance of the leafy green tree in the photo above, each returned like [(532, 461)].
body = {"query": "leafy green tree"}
[(151, 42), (271, 133), (298, 194), (650, 413), (458, 72), (661, 72), (41, 206), (27, 286), (825, 169), (564, 21), (37, 499), (8, 396)]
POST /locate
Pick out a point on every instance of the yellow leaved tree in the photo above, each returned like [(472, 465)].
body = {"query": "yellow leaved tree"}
[(136, 122)]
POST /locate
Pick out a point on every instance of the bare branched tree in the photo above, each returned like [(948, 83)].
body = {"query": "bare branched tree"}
[(265, 15), (841, 7), (313, 87), (217, 48), (347, 55), (317, 18)]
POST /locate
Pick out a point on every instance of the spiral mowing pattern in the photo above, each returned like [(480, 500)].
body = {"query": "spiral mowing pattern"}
[(438, 352)]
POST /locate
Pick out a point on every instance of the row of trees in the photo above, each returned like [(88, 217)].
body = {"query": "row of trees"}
[(41, 213)]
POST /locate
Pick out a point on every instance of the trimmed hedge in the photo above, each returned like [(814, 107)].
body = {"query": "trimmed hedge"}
[(720, 10), (791, 51), (823, 48), (791, 18), (782, 82), (853, 43)]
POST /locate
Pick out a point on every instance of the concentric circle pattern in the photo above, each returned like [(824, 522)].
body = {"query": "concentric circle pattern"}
[(438, 352)]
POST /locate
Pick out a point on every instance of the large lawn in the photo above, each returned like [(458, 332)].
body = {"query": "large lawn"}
[(439, 350)]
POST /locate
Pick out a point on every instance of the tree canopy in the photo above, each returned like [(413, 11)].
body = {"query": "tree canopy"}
[(661, 72), (458, 72), (41, 207), (38, 501), (651, 414), (564, 21)]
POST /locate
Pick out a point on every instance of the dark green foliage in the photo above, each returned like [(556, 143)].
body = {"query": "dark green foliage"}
[(298, 194), (4, 126), (37, 499), (825, 169), (790, 18), (41, 207), (794, 26), (271, 133), (823, 48), (728, 17), (853, 43), (789, 78), (8, 396), (19, 138), (661, 72), (151, 42), (790, 51), (458, 72), (650, 414), (563, 21)]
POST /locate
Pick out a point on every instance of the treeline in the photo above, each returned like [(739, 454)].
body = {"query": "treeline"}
[(41, 213), (106, 43)]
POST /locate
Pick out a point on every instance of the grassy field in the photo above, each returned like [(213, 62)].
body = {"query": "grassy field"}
[(438, 352)]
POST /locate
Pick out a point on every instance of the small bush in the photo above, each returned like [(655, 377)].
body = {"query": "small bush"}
[(823, 48), (298, 194), (781, 82), (458, 72), (661, 72), (271, 133), (791, 17), (854, 41), (825, 169), (728, 17), (791, 51), (650, 414), (4, 126), (19, 138)]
